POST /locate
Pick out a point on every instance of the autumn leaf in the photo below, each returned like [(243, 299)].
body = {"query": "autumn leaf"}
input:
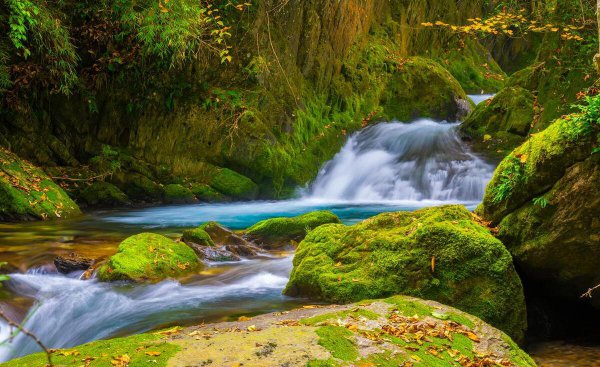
[(153, 354), (121, 361)]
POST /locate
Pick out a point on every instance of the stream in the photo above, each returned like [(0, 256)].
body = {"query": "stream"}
[(385, 167)]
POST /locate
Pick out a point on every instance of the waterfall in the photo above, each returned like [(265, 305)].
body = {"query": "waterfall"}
[(423, 160)]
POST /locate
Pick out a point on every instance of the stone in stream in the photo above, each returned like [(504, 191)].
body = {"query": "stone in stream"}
[(213, 242), (398, 331), (439, 253), (71, 263), (282, 232), (149, 257)]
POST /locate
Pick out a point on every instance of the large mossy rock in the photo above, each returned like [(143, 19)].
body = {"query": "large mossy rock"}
[(27, 193), (138, 187), (422, 87), (103, 194), (149, 257), (233, 184), (499, 125), (439, 253), (398, 331), (279, 232), (544, 199), (178, 194)]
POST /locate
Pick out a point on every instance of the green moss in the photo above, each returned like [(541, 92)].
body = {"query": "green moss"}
[(339, 341), (103, 194), (204, 192), (392, 254), (233, 184), (26, 192), (322, 363), (342, 315), (502, 124), (528, 171), (137, 186), (149, 257), (104, 352), (276, 231), (422, 88), (177, 194), (198, 236)]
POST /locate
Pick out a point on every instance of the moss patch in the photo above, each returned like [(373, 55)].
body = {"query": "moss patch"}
[(26, 192), (204, 192), (393, 253), (178, 194), (339, 341), (198, 236), (102, 353), (233, 184), (278, 231), (149, 257), (103, 194)]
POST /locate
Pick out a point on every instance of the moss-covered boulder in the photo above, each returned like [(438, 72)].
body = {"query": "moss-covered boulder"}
[(149, 257), (102, 194), (213, 242), (27, 193), (138, 187), (499, 125), (544, 199), (438, 253), (398, 331), (204, 192), (233, 184), (178, 194), (197, 235), (421, 87), (278, 232)]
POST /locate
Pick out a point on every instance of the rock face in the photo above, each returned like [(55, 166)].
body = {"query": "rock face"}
[(281, 232), (26, 192), (385, 332), (544, 199), (149, 257), (423, 88), (502, 124), (435, 253)]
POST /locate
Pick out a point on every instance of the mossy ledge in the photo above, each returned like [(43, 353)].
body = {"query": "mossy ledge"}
[(438, 253), (345, 336)]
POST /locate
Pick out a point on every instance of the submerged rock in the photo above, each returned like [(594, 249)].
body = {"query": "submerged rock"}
[(544, 199), (71, 263), (398, 331), (149, 257), (103, 194), (280, 232), (27, 193), (437, 253)]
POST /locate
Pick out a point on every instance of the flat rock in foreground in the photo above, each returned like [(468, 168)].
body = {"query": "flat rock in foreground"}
[(398, 331)]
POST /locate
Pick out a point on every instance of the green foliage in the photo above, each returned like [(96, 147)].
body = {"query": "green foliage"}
[(21, 19), (510, 175), (108, 161), (541, 201)]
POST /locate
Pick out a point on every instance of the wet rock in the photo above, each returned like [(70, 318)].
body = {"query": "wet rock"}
[(213, 242), (72, 262), (440, 253), (216, 253), (282, 232)]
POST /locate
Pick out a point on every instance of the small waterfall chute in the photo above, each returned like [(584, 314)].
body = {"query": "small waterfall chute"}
[(423, 160)]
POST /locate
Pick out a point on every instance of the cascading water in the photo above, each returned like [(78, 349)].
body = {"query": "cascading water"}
[(423, 160)]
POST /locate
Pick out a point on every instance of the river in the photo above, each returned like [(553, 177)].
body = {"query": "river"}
[(385, 167)]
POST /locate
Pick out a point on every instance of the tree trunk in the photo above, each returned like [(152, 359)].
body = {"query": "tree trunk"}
[(597, 56)]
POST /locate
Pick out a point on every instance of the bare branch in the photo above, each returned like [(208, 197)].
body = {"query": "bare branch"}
[(590, 291), (28, 333)]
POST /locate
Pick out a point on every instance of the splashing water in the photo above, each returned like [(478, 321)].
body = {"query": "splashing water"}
[(423, 160)]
